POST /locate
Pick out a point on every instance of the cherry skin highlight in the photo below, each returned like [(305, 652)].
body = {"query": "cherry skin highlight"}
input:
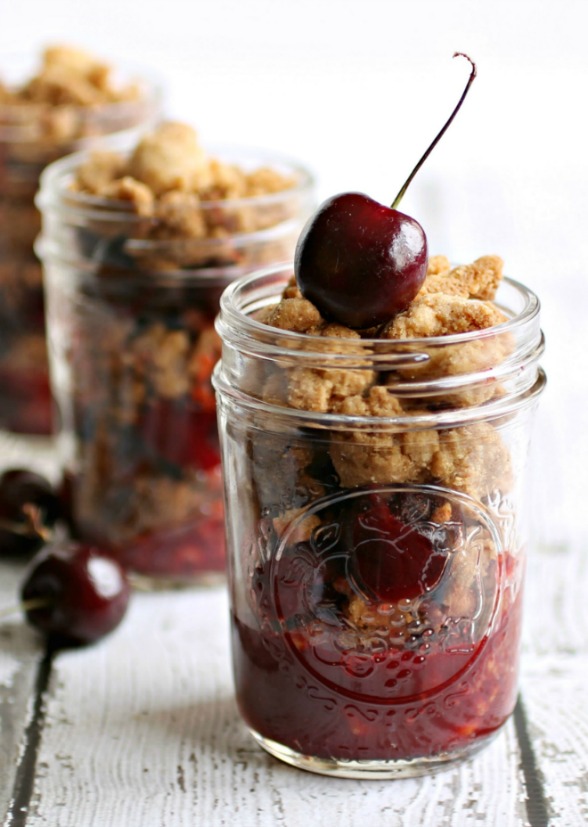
[(74, 594), (360, 262)]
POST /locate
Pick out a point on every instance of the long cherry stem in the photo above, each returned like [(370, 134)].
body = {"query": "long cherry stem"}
[(406, 184)]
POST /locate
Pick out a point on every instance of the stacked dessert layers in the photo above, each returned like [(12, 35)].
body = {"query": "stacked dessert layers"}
[(138, 248), (382, 606), (72, 99)]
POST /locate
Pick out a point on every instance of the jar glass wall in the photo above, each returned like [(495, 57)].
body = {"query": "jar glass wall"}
[(132, 348), (33, 134), (376, 560)]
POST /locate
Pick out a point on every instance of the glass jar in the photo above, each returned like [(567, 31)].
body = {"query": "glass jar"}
[(376, 560), (31, 136), (132, 348)]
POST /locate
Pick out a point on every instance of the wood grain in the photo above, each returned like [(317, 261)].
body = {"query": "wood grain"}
[(143, 730)]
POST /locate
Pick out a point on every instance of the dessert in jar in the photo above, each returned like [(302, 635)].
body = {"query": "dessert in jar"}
[(374, 406), (71, 100), (137, 248)]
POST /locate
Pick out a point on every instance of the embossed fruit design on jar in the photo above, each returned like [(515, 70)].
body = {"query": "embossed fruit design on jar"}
[(137, 248), (376, 545), (374, 404)]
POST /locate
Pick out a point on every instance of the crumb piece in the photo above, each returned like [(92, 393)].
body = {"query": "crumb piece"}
[(295, 314), (472, 459), (292, 291), (439, 314), (72, 77), (303, 528), (389, 618), (161, 356), (438, 264), (170, 158), (367, 456), (468, 590), (264, 181), (98, 172), (134, 192), (442, 513), (479, 280), (178, 215)]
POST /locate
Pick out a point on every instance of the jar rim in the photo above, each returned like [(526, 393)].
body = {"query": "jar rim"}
[(232, 319), (16, 118), (515, 375), (57, 176)]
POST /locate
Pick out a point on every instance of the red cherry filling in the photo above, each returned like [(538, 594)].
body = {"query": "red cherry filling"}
[(390, 560), (180, 433), (74, 594)]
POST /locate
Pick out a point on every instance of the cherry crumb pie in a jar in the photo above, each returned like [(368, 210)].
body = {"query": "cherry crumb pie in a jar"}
[(71, 100), (374, 405), (137, 249), (376, 548)]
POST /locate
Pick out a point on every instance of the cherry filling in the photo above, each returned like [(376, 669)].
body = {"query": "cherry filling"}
[(391, 561), (148, 485), (372, 644)]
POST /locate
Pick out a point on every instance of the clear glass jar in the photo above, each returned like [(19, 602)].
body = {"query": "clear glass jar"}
[(376, 561), (132, 348), (31, 136)]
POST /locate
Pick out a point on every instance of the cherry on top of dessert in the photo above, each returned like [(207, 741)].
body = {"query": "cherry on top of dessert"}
[(361, 262)]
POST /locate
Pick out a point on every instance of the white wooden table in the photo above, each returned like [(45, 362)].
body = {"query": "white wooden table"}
[(142, 729)]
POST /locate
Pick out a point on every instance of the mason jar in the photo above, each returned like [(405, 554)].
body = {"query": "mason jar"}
[(31, 136), (376, 548), (132, 347)]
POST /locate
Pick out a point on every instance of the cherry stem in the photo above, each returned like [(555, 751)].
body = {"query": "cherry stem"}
[(25, 606), (406, 184)]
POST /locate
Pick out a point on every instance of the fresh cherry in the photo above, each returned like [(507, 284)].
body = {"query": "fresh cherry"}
[(29, 508), (74, 594), (390, 560), (361, 262)]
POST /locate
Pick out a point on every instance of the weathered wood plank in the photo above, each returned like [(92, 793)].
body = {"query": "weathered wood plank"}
[(556, 608), (554, 691), (19, 656), (143, 730)]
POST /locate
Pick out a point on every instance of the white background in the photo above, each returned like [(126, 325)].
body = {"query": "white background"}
[(357, 89)]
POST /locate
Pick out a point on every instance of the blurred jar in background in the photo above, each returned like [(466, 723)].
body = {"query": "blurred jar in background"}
[(71, 100), (137, 249)]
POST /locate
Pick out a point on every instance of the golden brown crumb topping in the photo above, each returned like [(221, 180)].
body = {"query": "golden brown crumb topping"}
[(70, 77), (170, 178), (470, 459)]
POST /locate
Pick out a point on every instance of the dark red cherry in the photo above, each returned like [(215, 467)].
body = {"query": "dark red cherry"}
[(390, 560), (359, 261), (74, 594), (29, 508)]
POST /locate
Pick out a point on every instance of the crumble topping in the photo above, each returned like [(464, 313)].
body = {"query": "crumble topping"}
[(171, 179), (469, 459)]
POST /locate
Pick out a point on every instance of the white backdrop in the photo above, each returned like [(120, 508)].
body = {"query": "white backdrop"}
[(357, 89)]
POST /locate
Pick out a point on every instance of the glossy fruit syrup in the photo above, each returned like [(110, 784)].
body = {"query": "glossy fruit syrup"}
[(327, 668)]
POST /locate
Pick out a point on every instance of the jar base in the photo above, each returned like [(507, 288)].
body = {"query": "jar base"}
[(366, 769)]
